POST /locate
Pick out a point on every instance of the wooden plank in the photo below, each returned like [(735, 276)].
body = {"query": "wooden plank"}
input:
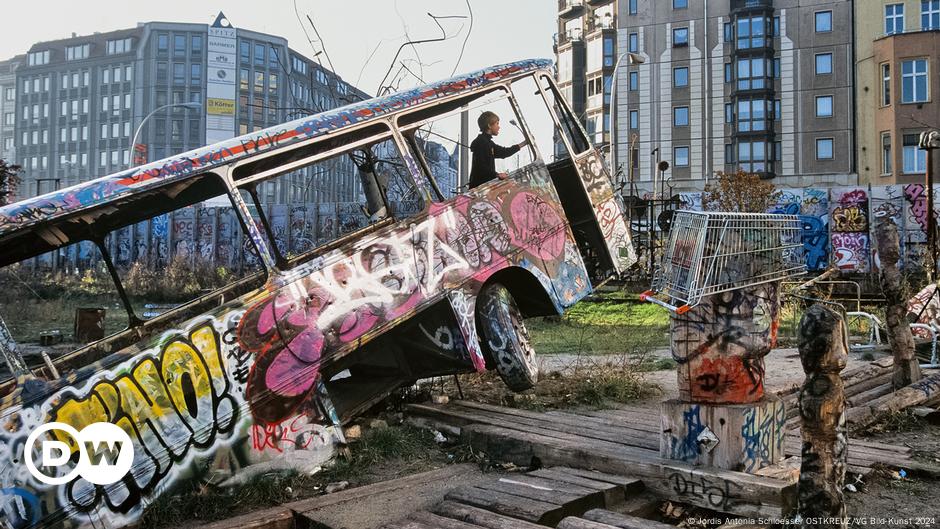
[(871, 394), (481, 517), (440, 522), (515, 506), (612, 493), (570, 503), (580, 523), (724, 491), (629, 484), (623, 521), (273, 518), (554, 484), (471, 417), (318, 502), (643, 505)]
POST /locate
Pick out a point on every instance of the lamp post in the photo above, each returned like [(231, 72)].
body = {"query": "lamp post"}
[(632, 58), (191, 106)]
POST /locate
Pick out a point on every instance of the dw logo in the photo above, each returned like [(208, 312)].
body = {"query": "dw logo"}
[(105, 453)]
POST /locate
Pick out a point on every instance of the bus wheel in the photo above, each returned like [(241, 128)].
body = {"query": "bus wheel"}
[(505, 337)]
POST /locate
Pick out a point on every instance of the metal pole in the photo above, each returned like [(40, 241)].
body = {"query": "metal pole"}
[(463, 176), (632, 58), (931, 220), (130, 152)]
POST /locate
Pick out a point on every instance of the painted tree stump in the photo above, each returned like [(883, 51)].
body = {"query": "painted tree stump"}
[(823, 353), (720, 345), (742, 437)]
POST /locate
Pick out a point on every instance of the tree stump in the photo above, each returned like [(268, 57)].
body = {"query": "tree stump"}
[(823, 353), (906, 367)]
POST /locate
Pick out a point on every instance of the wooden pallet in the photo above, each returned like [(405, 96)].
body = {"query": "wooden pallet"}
[(547, 497), (623, 442)]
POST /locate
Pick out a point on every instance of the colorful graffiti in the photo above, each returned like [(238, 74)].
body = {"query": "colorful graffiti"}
[(720, 345)]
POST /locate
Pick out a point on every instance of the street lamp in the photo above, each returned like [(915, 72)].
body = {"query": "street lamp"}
[(130, 152), (632, 58)]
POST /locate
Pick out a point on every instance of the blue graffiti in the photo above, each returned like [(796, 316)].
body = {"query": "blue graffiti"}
[(815, 243), (21, 507), (687, 448)]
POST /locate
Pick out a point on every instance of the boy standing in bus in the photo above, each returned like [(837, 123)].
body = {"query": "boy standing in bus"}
[(485, 151)]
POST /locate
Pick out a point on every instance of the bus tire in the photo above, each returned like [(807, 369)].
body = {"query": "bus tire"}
[(505, 338)]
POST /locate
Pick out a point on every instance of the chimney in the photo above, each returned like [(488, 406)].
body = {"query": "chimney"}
[(74, 34)]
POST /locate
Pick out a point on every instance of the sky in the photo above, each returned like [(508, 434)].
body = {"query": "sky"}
[(360, 37), (502, 30)]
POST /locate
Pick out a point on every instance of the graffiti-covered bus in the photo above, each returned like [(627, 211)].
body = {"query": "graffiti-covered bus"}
[(433, 280)]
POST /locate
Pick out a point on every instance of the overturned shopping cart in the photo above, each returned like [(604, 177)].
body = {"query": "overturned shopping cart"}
[(713, 252)]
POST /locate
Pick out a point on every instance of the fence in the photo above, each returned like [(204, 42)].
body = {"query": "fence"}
[(838, 222)]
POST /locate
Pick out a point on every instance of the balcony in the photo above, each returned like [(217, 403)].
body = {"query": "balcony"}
[(595, 24), (571, 36), (570, 8), (597, 3)]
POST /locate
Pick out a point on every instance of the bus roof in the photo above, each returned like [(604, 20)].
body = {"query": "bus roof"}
[(109, 191)]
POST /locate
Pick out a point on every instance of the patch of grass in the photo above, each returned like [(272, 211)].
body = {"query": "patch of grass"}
[(898, 422), (404, 443), (587, 383), (617, 323)]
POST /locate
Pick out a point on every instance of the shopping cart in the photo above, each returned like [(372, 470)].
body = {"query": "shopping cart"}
[(712, 252)]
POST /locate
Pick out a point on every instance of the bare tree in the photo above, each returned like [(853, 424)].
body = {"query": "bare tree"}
[(740, 192), (9, 180)]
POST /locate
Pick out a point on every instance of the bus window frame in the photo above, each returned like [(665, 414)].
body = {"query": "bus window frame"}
[(564, 138), (270, 253), (409, 130)]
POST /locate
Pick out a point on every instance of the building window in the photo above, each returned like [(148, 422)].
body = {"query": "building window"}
[(259, 82), (38, 58), (729, 112), (179, 73), (752, 156), (823, 21), (914, 87), (243, 79), (179, 45), (680, 156), (751, 32), (915, 160), (680, 37), (259, 54), (729, 153), (244, 51), (776, 74), (609, 55), (729, 32), (929, 14), (272, 84), (824, 106), (10, 94), (824, 149), (752, 115), (752, 73), (680, 4), (823, 63), (680, 117), (176, 132), (9, 118), (634, 43), (74, 53), (196, 44), (776, 110), (116, 74), (775, 29), (634, 119), (119, 46), (885, 153), (163, 43), (632, 7), (894, 19), (634, 81), (680, 76), (195, 73), (298, 65), (729, 72), (885, 84)]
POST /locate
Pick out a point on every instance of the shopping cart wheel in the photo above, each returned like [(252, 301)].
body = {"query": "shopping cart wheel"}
[(505, 338)]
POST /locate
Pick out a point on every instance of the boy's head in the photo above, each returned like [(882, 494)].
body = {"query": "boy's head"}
[(489, 123)]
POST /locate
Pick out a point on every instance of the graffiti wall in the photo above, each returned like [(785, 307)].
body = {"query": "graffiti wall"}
[(838, 223)]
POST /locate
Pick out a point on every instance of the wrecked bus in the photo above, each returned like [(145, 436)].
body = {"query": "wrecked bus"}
[(277, 360)]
